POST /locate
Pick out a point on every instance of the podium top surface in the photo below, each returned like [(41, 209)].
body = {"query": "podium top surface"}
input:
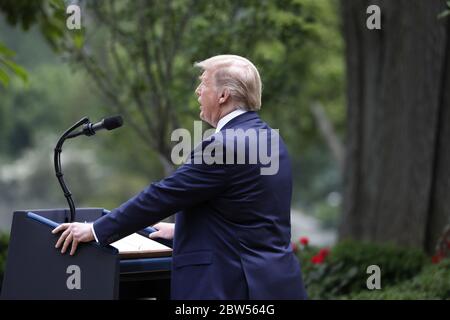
[(134, 246)]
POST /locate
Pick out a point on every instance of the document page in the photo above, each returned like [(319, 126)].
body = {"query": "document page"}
[(136, 245)]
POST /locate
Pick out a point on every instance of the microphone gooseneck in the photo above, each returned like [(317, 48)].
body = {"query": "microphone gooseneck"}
[(58, 170), (89, 129)]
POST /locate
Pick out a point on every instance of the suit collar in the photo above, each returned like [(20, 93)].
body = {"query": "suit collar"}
[(222, 122), (249, 115)]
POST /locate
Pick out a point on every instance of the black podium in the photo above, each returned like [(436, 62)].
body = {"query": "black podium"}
[(35, 269)]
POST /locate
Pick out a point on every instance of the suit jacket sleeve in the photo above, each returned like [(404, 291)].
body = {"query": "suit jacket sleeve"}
[(189, 185)]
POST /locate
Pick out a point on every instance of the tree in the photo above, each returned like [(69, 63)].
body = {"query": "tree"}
[(47, 14), (397, 178), (296, 45), (140, 55)]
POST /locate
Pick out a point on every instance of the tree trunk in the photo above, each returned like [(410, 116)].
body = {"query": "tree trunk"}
[(397, 170)]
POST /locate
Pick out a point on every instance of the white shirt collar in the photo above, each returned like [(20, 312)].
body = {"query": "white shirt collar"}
[(228, 118)]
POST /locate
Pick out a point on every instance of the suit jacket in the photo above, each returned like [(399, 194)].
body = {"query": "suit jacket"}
[(232, 230)]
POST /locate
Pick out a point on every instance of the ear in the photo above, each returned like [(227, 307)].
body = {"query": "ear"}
[(224, 96)]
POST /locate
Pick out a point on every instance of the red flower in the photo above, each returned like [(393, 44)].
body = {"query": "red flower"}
[(317, 259), (437, 258), (294, 247), (324, 252), (304, 241), (320, 256)]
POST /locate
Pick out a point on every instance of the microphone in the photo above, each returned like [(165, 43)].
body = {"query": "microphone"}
[(89, 129)]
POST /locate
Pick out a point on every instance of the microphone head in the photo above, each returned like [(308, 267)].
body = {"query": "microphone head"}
[(113, 122)]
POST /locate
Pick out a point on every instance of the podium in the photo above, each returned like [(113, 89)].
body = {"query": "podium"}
[(35, 269)]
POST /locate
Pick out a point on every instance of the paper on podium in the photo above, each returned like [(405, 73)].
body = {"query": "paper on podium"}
[(138, 246)]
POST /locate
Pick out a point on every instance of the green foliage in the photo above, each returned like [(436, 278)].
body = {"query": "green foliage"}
[(143, 53), (148, 50), (30, 120), (7, 66), (4, 239), (53, 99), (343, 271), (433, 282), (49, 15)]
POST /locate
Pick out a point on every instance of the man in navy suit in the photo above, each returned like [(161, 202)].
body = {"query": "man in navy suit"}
[(232, 228)]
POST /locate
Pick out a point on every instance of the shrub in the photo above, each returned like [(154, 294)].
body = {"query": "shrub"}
[(4, 239), (343, 270), (432, 283)]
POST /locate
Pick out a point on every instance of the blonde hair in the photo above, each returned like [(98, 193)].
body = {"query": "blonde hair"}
[(238, 75)]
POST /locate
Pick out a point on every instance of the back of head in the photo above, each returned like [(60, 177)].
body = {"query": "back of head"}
[(238, 75)]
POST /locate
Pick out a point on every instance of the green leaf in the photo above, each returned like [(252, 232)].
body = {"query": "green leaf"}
[(4, 78), (5, 51), (58, 4), (18, 70), (78, 40)]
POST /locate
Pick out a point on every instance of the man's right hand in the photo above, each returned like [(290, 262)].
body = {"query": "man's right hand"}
[(164, 230)]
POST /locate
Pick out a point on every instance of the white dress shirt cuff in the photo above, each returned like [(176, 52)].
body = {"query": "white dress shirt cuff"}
[(93, 232)]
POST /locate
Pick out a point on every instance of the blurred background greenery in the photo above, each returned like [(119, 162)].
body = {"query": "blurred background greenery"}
[(296, 44)]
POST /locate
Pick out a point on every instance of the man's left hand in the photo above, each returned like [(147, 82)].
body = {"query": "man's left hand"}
[(73, 233)]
